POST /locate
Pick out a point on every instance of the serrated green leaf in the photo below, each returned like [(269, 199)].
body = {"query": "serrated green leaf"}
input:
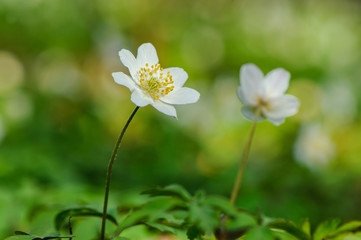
[(153, 212), (133, 218), (222, 204), (62, 217), (203, 216), (171, 190), (162, 203), (326, 228), (289, 227)]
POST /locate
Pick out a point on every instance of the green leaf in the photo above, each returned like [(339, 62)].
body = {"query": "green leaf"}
[(62, 217), (281, 235), (326, 228), (26, 236), (194, 232), (22, 237), (347, 227), (259, 233), (203, 216), (166, 218), (120, 238), (222, 204), (306, 227), (171, 190), (21, 233), (153, 212), (241, 221), (347, 236), (289, 227), (55, 235), (161, 227)]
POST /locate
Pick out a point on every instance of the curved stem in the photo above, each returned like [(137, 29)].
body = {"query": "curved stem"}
[(238, 181), (109, 173)]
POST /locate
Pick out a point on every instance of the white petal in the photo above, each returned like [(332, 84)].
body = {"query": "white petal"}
[(147, 54), (251, 83), (249, 113), (276, 121), (179, 76), (181, 96), (276, 82), (281, 107), (124, 80), (128, 60), (165, 108), (140, 99), (240, 94)]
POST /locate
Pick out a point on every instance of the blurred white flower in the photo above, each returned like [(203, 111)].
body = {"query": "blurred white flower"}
[(17, 107), (267, 93), (314, 147), (151, 84), (11, 72)]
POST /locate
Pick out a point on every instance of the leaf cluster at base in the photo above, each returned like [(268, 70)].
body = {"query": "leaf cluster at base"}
[(172, 210)]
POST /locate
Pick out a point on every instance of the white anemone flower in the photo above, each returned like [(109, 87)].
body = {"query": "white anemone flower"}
[(266, 93), (151, 84)]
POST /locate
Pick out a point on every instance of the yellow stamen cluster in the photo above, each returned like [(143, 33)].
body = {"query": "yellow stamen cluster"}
[(154, 82)]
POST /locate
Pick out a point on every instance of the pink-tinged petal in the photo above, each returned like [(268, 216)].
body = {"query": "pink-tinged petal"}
[(276, 82), (165, 108), (129, 61), (147, 54), (181, 96), (252, 88), (281, 107), (179, 76), (124, 80), (140, 99)]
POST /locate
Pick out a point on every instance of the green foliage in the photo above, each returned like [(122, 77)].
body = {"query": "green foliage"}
[(19, 235), (171, 190), (260, 232), (332, 229), (155, 214), (291, 228), (198, 215), (62, 218), (173, 210)]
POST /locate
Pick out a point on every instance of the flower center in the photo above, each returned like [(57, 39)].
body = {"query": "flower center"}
[(153, 81)]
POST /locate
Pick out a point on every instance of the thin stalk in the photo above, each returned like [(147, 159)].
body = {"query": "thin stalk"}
[(109, 172), (242, 166)]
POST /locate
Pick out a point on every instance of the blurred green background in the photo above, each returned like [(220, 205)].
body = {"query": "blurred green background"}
[(61, 112)]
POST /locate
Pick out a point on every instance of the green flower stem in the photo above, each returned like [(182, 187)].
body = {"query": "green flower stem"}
[(109, 173), (238, 181)]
